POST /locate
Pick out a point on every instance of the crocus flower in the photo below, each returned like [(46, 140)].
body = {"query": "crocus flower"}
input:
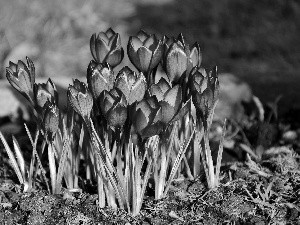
[(132, 85), (170, 101), (45, 92), (193, 53), (144, 51), (113, 105), (80, 99), (147, 116), (179, 58), (176, 61), (166, 42), (204, 89), (50, 120), (100, 77), (22, 78), (106, 47)]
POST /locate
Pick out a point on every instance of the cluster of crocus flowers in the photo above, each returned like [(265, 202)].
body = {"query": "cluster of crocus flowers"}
[(115, 114), (43, 97), (128, 95)]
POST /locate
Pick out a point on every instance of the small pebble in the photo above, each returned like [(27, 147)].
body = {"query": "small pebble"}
[(290, 136)]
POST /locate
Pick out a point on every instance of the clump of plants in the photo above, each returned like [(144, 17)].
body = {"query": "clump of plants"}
[(122, 127)]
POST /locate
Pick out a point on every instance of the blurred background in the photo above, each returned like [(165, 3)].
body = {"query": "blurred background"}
[(258, 41)]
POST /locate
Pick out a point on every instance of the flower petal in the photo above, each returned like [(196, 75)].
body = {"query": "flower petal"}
[(31, 70), (142, 35), (150, 43), (156, 55), (152, 130), (122, 84), (117, 115), (174, 96), (101, 50), (145, 57), (115, 57), (156, 91), (103, 36), (115, 41), (110, 32), (176, 62), (141, 120), (163, 85), (195, 55), (93, 46), (183, 111), (133, 45), (167, 112), (138, 90)]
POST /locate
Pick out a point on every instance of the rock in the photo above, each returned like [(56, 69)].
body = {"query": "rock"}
[(290, 136)]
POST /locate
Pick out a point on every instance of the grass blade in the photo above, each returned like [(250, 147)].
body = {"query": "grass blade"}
[(177, 162), (12, 159), (19, 156), (37, 156), (220, 152), (52, 166), (61, 166)]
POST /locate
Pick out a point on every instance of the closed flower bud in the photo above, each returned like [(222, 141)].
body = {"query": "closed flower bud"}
[(100, 77), (144, 51), (132, 85), (114, 107), (170, 101), (166, 42), (106, 47), (80, 99), (176, 61), (50, 120), (204, 89), (22, 78), (195, 55), (147, 116), (45, 92)]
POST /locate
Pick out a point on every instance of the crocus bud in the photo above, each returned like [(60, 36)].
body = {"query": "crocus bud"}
[(22, 78), (144, 51), (113, 105), (45, 92), (147, 116), (100, 77), (50, 120), (106, 47), (166, 42), (204, 89), (80, 99), (132, 85), (176, 61), (170, 101), (195, 55)]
